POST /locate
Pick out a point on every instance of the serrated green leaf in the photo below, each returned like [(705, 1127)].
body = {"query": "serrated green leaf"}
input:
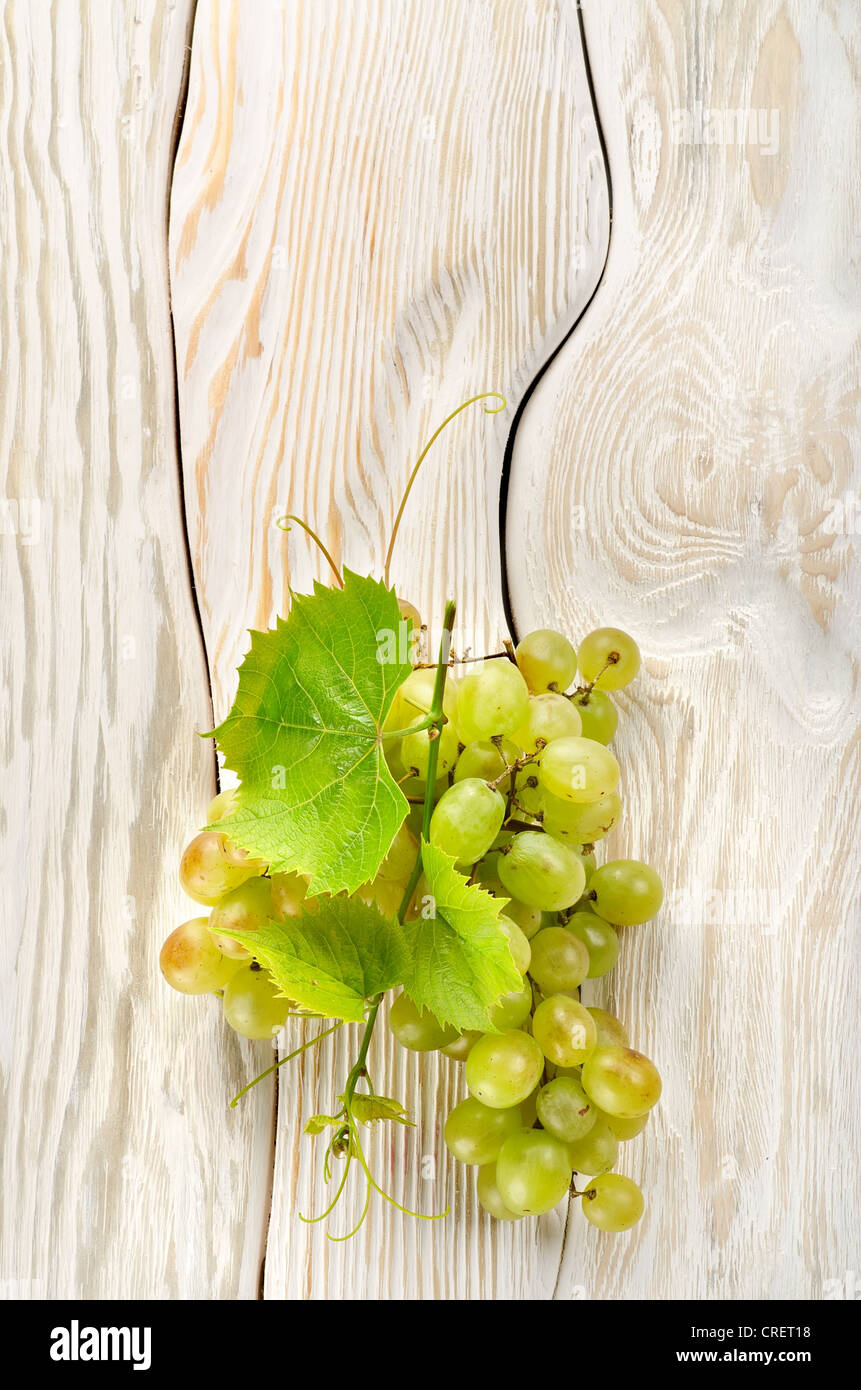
[(303, 735), (461, 962), (318, 1123), (333, 959), (369, 1109)]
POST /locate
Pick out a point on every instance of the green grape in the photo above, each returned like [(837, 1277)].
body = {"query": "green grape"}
[(417, 1029), (204, 871), (621, 1081), (565, 1110), (466, 820), (289, 896), (589, 863), (529, 919), (489, 1195), (532, 1172), (581, 823), (529, 1108), (560, 962), (600, 940), (401, 857), (609, 658), (491, 700), (463, 1044), (191, 961), (252, 1005), (224, 804), (246, 908), (512, 1010), (564, 1030), (541, 872), (596, 1152), (548, 716), (503, 1068), (613, 1202), (415, 751), (484, 760), (474, 1133), (521, 951), (611, 1033), (410, 613), (626, 892), (578, 769), (598, 715), (528, 791), (546, 659), (622, 1128), (385, 893)]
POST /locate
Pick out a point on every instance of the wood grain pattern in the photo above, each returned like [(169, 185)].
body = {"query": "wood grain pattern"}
[(378, 211), (122, 1173), (700, 428)]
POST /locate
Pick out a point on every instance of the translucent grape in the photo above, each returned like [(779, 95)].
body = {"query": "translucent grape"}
[(548, 716), (467, 819), (622, 1081), (608, 657), (461, 1047), (401, 857), (600, 940), (560, 962), (546, 659), (564, 1030), (485, 760), (565, 1110), (578, 769), (417, 1029), (252, 1005), (384, 893), (513, 1009), (191, 961), (489, 1194), (503, 1068), (246, 908), (532, 1172), (613, 1202), (410, 612), (521, 951), (528, 791), (205, 873), (581, 823), (529, 1108), (611, 1032), (224, 804), (491, 700), (541, 872), (415, 751), (598, 715), (529, 919), (622, 1128), (626, 892), (474, 1133), (289, 896), (596, 1152)]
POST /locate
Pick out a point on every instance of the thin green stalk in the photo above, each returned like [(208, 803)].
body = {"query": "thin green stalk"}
[(289, 1058)]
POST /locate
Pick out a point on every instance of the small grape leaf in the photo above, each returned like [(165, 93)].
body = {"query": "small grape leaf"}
[(334, 958), (318, 1123), (369, 1109), (303, 735), (461, 963)]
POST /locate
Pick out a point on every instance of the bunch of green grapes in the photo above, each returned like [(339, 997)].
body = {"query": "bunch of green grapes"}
[(528, 788)]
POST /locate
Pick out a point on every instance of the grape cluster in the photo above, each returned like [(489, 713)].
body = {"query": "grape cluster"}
[(527, 788)]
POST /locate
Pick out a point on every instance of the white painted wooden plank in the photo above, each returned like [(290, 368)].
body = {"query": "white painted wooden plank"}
[(123, 1174), (378, 210), (699, 430)]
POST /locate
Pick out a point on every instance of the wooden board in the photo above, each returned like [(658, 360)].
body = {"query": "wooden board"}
[(700, 428), (122, 1172), (378, 211)]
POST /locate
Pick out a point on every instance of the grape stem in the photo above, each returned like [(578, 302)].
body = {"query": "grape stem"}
[(281, 523), (289, 1058)]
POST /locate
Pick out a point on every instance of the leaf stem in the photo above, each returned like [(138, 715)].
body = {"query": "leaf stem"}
[(290, 1055), (413, 729), (281, 523), (484, 395)]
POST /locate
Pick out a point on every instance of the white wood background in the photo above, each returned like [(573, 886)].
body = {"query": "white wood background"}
[(373, 211)]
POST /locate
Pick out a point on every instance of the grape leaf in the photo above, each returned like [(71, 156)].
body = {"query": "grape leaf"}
[(318, 1123), (368, 1109), (334, 958), (460, 959), (303, 735)]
